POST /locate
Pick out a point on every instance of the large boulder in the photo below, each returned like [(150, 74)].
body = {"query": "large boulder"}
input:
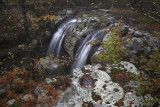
[(79, 31), (86, 22), (93, 86)]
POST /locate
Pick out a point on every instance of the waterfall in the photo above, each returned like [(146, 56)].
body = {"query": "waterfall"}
[(57, 39), (85, 48)]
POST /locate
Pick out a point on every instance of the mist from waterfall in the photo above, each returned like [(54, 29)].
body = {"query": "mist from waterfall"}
[(57, 39)]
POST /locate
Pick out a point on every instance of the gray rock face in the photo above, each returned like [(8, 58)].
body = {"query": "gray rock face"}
[(85, 23), (137, 44), (78, 31), (108, 91)]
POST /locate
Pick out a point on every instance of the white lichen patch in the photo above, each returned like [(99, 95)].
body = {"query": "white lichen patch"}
[(78, 94)]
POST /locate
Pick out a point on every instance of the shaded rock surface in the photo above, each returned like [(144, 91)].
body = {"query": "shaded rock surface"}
[(85, 22)]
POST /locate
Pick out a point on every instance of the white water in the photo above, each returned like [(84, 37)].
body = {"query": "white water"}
[(85, 48), (57, 39)]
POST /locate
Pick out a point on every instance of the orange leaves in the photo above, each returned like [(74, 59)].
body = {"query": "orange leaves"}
[(11, 94), (96, 97), (50, 90), (132, 60), (99, 101), (9, 76), (31, 83), (41, 83)]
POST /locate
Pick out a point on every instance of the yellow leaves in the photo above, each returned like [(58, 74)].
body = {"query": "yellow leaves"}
[(44, 18), (42, 59)]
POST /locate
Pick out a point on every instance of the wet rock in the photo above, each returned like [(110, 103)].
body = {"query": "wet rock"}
[(78, 31)]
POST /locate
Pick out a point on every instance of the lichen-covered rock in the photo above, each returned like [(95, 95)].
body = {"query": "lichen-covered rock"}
[(133, 100), (11, 102), (28, 96), (103, 93), (130, 67)]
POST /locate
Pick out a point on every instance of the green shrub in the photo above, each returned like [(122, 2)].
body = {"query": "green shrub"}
[(115, 51)]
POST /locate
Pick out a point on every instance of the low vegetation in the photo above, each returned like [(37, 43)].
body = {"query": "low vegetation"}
[(148, 81)]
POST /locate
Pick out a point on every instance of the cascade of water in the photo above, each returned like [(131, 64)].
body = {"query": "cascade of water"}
[(57, 39), (85, 48)]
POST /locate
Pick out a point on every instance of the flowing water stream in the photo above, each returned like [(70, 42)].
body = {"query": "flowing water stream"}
[(83, 51), (85, 48), (56, 42)]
